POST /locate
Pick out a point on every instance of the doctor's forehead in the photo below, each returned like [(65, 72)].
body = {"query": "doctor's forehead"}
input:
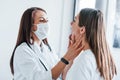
[(40, 15)]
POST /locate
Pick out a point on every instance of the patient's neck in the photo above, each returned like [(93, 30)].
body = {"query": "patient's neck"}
[(87, 46)]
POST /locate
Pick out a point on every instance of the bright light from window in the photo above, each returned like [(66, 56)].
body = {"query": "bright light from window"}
[(86, 4)]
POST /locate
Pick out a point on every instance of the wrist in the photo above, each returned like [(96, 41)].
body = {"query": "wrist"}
[(66, 56)]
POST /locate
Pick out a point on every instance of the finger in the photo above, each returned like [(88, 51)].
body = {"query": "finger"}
[(78, 41), (70, 37), (70, 43), (78, 44), (73, 38), (81, 42), (78, 37), (81, 46), (70, 40), (80, 49)]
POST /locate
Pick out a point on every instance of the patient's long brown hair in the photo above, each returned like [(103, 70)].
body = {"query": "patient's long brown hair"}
[(95, 35), (25, 30)]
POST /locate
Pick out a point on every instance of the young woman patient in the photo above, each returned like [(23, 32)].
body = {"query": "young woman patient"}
[(95, 61)]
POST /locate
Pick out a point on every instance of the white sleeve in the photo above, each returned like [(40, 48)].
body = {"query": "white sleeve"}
[(83, 70), (26, 65), (57, 59)]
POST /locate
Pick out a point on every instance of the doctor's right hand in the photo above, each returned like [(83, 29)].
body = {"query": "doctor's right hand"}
[(74, 48)]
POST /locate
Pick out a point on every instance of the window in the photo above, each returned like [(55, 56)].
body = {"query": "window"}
[(116, 35), (80, 4)]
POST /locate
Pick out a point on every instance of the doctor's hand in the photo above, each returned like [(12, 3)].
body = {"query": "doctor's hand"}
[(74, 48)]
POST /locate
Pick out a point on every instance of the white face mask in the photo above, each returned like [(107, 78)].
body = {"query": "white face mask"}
[(42, 31)]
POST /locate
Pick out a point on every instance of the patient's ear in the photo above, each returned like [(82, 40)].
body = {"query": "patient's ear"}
[(82, 30)]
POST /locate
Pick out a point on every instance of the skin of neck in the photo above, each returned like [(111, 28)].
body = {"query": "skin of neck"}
[(36, 39), (87, 46)]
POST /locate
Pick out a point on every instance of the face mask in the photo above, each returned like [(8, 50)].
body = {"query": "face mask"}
[(42, 31)]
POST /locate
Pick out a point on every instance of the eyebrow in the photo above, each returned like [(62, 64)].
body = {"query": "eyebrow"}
[(43, 18)]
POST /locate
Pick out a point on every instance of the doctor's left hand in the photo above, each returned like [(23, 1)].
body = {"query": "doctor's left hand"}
[(74, 49)]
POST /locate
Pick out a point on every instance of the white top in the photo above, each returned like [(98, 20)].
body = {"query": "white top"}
[(84, 67), (31, 64)]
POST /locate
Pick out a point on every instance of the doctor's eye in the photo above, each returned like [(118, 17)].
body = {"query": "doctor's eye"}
[(43, 20)]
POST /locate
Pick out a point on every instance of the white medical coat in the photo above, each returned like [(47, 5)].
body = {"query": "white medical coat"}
[(84, 67), (27, 65)]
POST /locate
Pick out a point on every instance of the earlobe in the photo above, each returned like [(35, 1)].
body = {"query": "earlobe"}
[(82, 30)]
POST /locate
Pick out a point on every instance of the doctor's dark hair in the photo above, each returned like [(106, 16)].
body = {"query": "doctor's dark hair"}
[(24, 32), (93, 22)]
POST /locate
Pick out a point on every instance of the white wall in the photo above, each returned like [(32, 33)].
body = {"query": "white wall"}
[(66, 23), (59, 13)]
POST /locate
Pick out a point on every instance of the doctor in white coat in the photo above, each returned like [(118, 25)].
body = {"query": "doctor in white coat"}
[(95, 62), (33, 58)]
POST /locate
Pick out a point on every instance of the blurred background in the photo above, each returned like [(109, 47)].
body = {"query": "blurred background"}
[(60, 14)]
